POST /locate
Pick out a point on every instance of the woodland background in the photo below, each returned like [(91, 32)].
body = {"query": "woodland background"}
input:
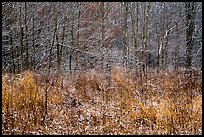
[(79, 35)]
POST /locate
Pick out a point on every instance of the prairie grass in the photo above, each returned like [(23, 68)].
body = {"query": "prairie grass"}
[(92, 102)]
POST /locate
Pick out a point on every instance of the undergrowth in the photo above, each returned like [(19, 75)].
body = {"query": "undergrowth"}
[(92, 102)]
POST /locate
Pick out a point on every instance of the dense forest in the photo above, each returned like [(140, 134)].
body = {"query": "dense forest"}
[(102, 68)]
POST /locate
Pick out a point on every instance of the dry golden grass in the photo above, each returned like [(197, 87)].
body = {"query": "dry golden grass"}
[(164, 102)]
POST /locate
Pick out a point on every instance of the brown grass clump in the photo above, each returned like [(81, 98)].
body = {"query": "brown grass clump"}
[(23, 105), (92, 102)]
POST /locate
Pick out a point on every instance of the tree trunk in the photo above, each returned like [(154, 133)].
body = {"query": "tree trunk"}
[(147, 25), (190, 16), (13, 53), (136, 33), (158, 44), (53, 39), (33, 37), (125, 35), (133, 26), (26, 37), (21, 43), (176, 60), (143, 33), (102, 31), (146, 31)]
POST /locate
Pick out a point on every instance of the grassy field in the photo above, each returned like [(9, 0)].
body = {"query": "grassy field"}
[(94, 102)]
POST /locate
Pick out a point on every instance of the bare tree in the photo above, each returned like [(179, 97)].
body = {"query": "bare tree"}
[(53, 38), (190, 16), (26, 36), (21, 41)]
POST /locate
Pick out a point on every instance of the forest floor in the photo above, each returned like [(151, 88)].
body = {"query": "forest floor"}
[(94, 102)]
